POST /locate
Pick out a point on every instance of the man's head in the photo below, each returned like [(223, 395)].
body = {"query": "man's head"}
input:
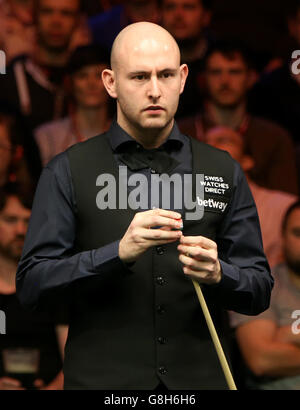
[(15, 205), (186, 19), (228, 75), (56, 21), (229, 140), (291, 237), (84, 68), (146, 78)]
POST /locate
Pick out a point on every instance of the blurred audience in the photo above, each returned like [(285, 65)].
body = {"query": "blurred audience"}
[(106, 26), (94, 7), (229, 77), (90, 112), (17, 34), (270, 342), (24, 329), (188, 21), (271, 205), (13, 167), (33, 85), (276, 96)]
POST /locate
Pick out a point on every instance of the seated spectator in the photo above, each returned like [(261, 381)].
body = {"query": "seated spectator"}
[(271, 205), (276, 96), (32, 332), (106, 26), (270, 342), (188, 21), (89, 111), (17, 34), (12, 162), (228, 79), (33, 85)]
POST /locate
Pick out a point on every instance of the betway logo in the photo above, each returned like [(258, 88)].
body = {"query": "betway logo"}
[(211, 203)]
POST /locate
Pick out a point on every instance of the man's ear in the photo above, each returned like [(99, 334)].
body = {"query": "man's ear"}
[(109, 81), (184, 71)]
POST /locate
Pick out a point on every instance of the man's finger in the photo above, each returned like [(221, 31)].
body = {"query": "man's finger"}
[(160, 234), (198, 240), (196, 252)]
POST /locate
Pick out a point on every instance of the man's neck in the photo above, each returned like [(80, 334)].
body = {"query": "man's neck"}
[(8, 268), (92, 121), (228, 116), (149, 138), (43, 56)]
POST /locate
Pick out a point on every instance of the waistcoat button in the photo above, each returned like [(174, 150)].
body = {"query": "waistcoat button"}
[(160, 280)]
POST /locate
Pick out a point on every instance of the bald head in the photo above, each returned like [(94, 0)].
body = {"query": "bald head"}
[(139, 39), (146, 79)]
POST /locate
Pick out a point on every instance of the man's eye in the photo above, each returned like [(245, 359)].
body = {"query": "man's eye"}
[(139, 77)]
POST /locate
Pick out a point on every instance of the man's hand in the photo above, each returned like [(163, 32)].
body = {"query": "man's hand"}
[(7, 383), (199, 255), (140, 236)]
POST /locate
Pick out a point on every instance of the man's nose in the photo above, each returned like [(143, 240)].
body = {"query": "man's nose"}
[(21, 228), (154, 88)]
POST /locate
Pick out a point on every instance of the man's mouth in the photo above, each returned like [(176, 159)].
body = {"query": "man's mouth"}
[(154, 108)]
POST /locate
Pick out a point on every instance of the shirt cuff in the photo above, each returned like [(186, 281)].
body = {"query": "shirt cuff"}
[(107, 258), (229, 277)]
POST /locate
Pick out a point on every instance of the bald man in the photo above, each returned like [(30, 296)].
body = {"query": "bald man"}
[(123, 221)]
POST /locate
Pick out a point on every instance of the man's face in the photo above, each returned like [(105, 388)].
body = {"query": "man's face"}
[(5, 151), (291, 241), (228, 80), (88, 88), (149, 82), (56, 21), (184, 19), (14, 220)]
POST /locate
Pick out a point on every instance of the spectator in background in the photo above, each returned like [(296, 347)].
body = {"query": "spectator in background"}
[(17, 34), (271, 205), (12, 163), (90, 112), (276, 96), (33, 85), (106, 26), (188, 21), (270, 342), (228, 79), (25, 329)]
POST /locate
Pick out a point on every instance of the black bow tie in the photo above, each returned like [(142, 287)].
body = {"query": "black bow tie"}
[(136, 157)]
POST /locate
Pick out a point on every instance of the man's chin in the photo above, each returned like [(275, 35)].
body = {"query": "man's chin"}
[(155, 123), (227, 104)]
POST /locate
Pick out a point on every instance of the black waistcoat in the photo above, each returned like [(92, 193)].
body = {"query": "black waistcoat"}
[(128, 330)]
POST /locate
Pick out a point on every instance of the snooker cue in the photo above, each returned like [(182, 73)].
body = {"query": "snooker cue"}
[(215, 338)]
